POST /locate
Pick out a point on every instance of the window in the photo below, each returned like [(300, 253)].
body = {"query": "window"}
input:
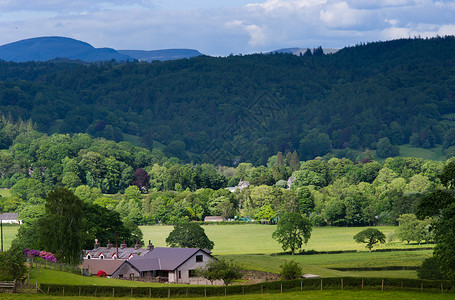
[(101, 257), (180, 274), (88, 256), (120, 275), (199, 258), (192, 273)]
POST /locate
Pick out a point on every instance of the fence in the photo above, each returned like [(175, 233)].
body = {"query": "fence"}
[(266, 287), (54, 266)]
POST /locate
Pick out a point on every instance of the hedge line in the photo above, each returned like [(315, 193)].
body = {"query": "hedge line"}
[(265, 287)]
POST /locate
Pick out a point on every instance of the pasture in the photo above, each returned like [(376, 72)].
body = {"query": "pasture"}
[(257, 239), (308, 295)]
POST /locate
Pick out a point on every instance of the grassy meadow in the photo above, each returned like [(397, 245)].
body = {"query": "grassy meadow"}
[(308, 295), (257, 239), (9, 233), (251, 245)]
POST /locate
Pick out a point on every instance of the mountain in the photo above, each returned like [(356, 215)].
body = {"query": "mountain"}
[(162, 55), (48, 48), (298, 51)]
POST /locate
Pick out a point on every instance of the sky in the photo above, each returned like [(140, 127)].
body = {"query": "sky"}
[(222, 27)]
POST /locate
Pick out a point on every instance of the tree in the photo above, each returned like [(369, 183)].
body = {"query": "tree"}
[(292, 231), (220, 269), (104, 224), (370, 236), (61, 228), (141, 180), (12, 265), (440, 203), (386, 149), (266, 213), (189, 235), (413, 229), (290, 270)]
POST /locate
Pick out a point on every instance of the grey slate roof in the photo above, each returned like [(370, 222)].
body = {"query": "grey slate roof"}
[(122, 253), (171, 258), (143, 264), (8, 216)]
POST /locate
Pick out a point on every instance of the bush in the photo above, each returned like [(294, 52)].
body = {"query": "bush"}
[(290, 270), (430, 269)]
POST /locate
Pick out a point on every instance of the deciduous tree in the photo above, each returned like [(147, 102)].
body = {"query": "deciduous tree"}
[(189, 235), (370, 236), (292, 231), (61, 228)]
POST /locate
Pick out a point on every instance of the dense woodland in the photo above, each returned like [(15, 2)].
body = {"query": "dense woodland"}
[(375, 95), (146, 187)]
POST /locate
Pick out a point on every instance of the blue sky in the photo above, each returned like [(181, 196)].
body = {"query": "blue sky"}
[(221, 27)]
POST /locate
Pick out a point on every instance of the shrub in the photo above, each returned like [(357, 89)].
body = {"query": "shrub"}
[(290, 270), (430, 269)]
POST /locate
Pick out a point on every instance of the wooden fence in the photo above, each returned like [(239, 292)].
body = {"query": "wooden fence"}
[(345, 283)]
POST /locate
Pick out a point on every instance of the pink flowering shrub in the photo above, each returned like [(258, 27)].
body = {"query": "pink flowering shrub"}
[(47, 256)]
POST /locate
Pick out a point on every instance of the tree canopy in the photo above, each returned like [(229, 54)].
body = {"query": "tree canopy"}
[(370, 237), (440, 203), (292, 231), (189, 235), (61, 229)]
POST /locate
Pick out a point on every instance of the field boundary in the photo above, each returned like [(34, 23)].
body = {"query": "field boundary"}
[(352, 283), (314, 252)]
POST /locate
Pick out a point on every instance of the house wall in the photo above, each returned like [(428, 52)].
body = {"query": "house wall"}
[(190, 264), (126, 270)]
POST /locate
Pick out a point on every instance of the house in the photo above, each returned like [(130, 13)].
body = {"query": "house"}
[(175, 265), (111, 252), (213, 219), (242, 184), (92, 266), (290, 181), (10, 218)]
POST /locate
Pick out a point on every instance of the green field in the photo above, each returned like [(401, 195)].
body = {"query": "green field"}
[(5, 192), (251, 244), (9, 233), (310, 295), (257, 239)]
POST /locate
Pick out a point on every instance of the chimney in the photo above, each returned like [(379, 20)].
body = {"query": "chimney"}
[(137, 246), (150, 246), (97, 244), (109, 245), (123, 245)]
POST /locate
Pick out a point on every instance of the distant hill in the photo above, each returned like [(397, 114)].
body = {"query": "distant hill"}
[(49, 48), (252, 106), (162, 55), (297, 51)]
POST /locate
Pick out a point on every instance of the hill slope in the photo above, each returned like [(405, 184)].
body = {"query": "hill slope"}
[(162, 55), (48, 48), (345, 101)]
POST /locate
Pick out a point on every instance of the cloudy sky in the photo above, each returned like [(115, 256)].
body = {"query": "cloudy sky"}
[(221, 27)]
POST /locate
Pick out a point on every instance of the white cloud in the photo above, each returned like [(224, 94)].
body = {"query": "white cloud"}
[(220, 30), (341, 15)]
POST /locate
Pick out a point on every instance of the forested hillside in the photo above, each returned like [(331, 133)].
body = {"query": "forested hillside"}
[(146, 187), (402, 90)]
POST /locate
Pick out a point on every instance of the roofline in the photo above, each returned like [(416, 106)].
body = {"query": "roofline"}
[(126, 261), (192, 256)]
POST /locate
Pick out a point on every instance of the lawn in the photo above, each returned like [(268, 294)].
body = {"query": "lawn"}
[(5, 192), (66, 278), (9, 233), (310, 295), (320, 264), (257, 239)]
